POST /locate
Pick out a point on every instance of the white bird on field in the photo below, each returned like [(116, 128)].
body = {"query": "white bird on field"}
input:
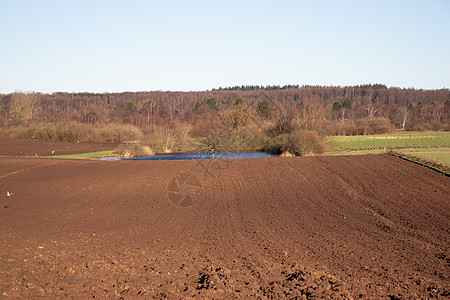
[(53, 151), (9, 194)]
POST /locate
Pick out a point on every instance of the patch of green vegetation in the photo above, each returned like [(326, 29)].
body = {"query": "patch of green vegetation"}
[(430, 146), (390, 141), (89, 155), (354, 152), (416, 160), (439, 155)]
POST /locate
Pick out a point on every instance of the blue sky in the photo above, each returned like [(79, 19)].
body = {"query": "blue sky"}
[(115, 46)]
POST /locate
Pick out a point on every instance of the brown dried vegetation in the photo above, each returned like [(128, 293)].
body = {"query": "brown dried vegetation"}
[(255, 119)]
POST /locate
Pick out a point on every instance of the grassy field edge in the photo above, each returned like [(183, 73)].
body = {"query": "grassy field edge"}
[(90, 155), (431, 165)]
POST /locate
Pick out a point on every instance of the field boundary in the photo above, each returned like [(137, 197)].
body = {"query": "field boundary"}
[(395, 148), (422, 162)]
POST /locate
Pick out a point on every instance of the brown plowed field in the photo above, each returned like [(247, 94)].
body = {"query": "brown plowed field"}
[(373, 227), (13, 147)]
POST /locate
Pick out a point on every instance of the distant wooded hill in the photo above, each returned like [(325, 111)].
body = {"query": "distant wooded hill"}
[(408, 108)]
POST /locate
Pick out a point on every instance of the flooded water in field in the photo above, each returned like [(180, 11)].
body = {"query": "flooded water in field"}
[(199, 155)]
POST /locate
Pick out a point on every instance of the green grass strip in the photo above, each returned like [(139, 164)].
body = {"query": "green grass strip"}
[(90, 155), (436, 155), (390, 141), (421, 162)]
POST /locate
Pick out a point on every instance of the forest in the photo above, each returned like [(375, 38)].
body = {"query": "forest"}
[(263, 118)]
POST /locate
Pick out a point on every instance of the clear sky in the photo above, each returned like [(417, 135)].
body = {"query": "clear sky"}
[(192, 45)]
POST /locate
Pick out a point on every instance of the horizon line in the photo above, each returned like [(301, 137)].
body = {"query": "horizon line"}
[(220, 88)]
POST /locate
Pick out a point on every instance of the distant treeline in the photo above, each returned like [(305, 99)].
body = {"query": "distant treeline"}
[(413, 109), (289, 86), (258, 87)]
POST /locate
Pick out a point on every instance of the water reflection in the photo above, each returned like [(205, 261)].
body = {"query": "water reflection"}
[(200, 155)]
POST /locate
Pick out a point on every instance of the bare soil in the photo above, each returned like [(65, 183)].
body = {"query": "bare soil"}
[(13, 147), (370, 227)]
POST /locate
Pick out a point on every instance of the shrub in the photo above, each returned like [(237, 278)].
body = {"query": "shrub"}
[(133, 150), (249, 140), (119, 133), (305, 142), (276, 144), (72, 131), (171, 138)]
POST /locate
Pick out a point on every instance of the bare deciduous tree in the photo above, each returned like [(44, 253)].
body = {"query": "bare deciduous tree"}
[(371, 110), (213, 138), (310, 112), (283, 116), (405, 113), (24, 106), (237, 116)]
